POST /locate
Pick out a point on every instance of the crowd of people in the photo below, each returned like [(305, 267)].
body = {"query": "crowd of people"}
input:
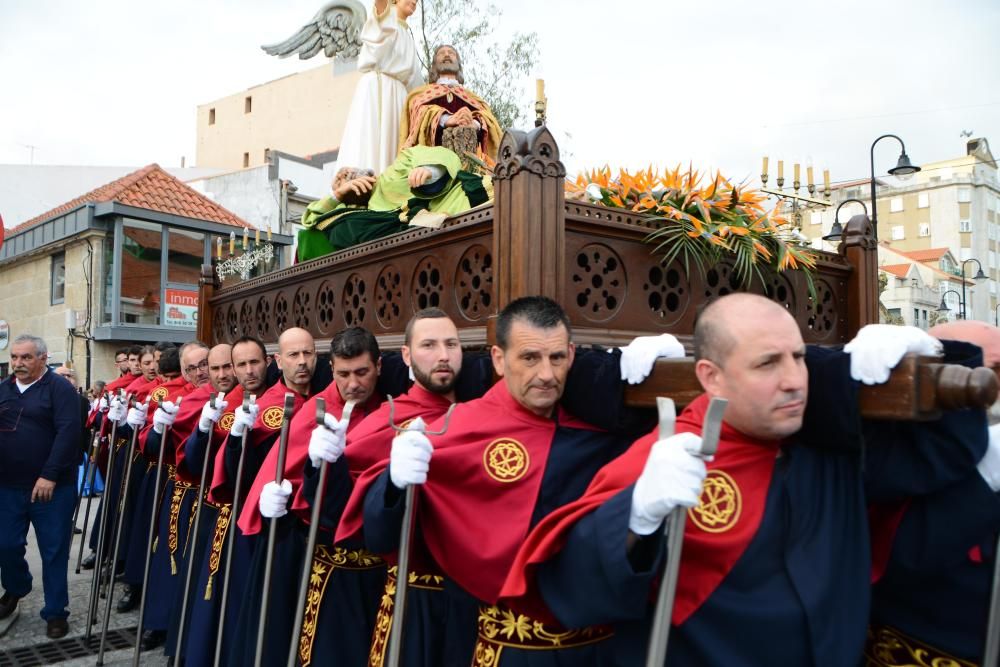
[(539, 499)]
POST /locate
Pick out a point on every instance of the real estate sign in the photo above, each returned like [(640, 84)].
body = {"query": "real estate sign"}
[(181, 308)]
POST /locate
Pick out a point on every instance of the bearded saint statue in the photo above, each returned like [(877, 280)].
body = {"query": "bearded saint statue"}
[(445, 113)]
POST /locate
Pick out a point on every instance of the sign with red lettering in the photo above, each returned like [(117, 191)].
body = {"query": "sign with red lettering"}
[(181, 308)]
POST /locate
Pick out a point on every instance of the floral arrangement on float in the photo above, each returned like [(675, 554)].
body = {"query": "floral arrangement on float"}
[(701, 220)]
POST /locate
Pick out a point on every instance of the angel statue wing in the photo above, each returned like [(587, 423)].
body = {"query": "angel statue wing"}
[(334, 29)]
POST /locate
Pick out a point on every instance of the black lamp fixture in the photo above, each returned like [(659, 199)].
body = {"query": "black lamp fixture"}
[(943, 308), (902, 169), (837, 230), (979, 277)]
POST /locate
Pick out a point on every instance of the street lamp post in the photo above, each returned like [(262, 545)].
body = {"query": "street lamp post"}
[(943, 308), (903, 168), (980, 276), (837, 230)]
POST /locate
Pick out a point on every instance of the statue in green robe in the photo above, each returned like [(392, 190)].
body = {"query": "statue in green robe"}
[(364, 208)]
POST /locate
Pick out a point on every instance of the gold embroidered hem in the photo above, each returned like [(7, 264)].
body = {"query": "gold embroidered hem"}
[(383, 620), (171, 471), (888, 647), (173, 533), (218, 540), (501, 628), (325, 560)]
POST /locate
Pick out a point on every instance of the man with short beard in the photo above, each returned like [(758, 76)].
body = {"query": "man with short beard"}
[(350, 592)]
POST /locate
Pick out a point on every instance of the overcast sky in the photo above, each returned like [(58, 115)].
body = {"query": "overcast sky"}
[(719, 84)]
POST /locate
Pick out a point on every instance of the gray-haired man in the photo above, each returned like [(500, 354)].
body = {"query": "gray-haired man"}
[(39, 452)]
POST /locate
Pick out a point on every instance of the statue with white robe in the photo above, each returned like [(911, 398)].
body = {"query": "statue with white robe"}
[(387, 58)]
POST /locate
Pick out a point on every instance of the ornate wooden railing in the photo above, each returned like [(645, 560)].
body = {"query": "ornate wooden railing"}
[(590, 258)]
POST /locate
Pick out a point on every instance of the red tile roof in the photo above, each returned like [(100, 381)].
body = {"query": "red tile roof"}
[(150, 188), (928, 255), (898, 270)]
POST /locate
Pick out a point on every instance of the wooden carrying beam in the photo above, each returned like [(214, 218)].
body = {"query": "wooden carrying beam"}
[(919, 388)]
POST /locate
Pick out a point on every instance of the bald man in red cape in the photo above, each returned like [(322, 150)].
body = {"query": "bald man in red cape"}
[(775, 566)]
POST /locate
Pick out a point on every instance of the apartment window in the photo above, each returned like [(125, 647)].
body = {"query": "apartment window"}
[(246, 160), (816, 218), (925, 229), (923, 200), (247, 104), (58, 273), (965, 226), (895, 204), (964, 195), (211, 116), (916, 317), (898, 233)]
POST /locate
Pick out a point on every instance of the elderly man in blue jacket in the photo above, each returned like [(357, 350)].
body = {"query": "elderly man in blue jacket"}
[(39, 452)]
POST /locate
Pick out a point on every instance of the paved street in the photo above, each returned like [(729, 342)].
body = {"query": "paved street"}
[(28, 631)]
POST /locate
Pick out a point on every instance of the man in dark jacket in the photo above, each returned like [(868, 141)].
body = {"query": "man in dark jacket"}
[(39, 452)]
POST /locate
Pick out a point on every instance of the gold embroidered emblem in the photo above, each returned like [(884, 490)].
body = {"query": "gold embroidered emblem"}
[(159, 394), (506, 460), (720, 505), (226, 421), (272, 417), (405, 425)]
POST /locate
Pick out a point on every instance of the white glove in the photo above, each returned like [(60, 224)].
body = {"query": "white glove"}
[(102, 405), (327, 441), (210, 415), (137, 415), (164, 416), (117, 411), (410, 457), (671, 478), (639, 356), (274, 499), (244, 420), (989, 465), (877, 349)]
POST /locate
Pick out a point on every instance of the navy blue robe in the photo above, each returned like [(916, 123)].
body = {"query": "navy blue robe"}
[(933, 589)]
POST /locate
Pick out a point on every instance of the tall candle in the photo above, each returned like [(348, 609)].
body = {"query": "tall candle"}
[(764, 170), (268, 234), (809, 174), (256, 237), (218, 247), (781, 168), (540, 89), (232, 243), (245, 232), (826, 179)]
